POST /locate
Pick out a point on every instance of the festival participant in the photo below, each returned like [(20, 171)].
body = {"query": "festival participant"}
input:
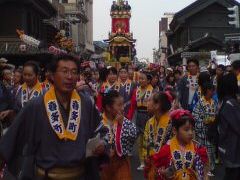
[(162, 78), (229, 126), (119, 135), (31, 88), (157, 130), (51, 131), (170, 82), (6, 104), (219, 72), (204, 114), (181, 158), (155, 82), (130, 72), (47, 83), (17, 80), (177, 78), (96, 80), (189, 84), (139, 102), (204, 77), (7, 76), (126, 88), (136, 75), (110, 84), (236, 70)]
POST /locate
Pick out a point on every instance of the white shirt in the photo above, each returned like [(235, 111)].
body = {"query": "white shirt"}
[(192, 90)]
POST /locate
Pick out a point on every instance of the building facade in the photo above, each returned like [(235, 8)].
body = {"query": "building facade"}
[(163, 42), (28, 16), (198, 29), (80, 15)]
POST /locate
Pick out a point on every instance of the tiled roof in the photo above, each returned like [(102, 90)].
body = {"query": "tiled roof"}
[(11, 48)]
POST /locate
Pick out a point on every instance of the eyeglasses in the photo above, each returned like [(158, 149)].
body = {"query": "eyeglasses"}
[(66, 72)]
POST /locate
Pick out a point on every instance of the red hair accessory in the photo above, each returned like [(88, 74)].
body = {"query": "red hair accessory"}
[(169, 96), (177, 114)]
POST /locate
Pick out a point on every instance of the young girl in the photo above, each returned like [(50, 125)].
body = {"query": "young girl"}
[(127, 88), (110, 84), (119, 135), (158, 129), (139, 103), (181, 158), (204, 114)]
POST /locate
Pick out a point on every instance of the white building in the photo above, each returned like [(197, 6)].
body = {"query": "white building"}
[(163, 43)]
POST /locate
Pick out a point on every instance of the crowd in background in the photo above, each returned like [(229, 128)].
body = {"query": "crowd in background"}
[(208, 97)]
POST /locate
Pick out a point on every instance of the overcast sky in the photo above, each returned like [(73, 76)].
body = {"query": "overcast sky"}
[(144, 23)]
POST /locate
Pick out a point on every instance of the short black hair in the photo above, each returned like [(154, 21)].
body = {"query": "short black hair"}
[(168, 78), (109, 97), (177, 72), (236, 65), (125, 68), (147, 74), (182, 121), (154, 73), (207, 86), (195, 61), (203, 78), (227, 86), (162, 98), (103, 74), (111, 69), (34, 65), (64, 57), (221, 66)]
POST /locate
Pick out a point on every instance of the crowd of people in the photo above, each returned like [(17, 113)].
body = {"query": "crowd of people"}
[(184, 119)]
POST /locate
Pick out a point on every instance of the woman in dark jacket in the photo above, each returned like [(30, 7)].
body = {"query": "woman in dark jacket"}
[(229, 126)]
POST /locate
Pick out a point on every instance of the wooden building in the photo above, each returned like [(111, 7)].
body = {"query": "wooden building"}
[(200, 27), (27, 15)]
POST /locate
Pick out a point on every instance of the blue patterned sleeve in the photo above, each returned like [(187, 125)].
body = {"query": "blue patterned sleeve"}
[(199, 167)]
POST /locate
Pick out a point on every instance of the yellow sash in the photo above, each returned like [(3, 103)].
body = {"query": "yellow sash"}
[(238, 78), (183, 161), (107, 86), (142, 98), (47, 84), (26, 95), (55, 117), (112, 129), (158, 132), (127, 85)]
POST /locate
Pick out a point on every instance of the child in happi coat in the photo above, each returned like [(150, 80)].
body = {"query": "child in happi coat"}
[(127, 88), (139, 104), (110, 84), (181, 158), (119, 135), (158, 129), (204, 114)]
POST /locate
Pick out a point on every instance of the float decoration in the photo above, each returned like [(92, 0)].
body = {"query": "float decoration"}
[(121, 42), (28, 39), (64, 43)]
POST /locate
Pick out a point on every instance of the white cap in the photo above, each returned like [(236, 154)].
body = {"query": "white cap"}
[(3, 60), (203, 69), (170, 69)]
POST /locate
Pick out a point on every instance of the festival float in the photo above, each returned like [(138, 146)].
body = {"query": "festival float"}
[(121, 42)]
